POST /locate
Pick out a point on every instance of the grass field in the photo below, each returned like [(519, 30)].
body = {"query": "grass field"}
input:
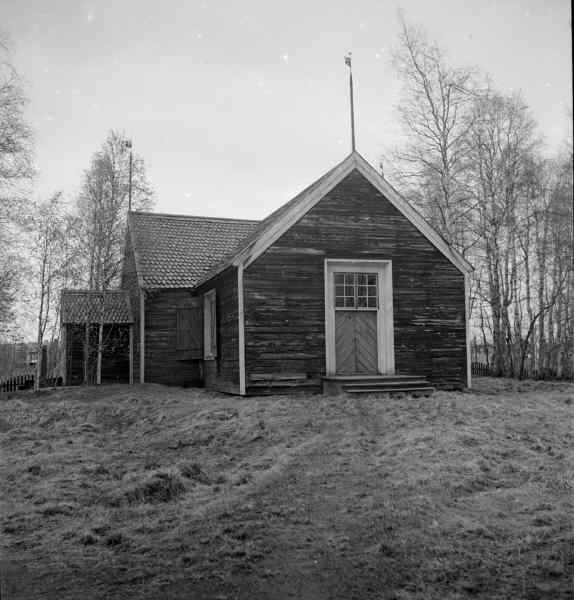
[(152, 492)]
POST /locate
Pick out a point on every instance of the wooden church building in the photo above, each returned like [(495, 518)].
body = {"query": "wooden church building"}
[(344, 288)]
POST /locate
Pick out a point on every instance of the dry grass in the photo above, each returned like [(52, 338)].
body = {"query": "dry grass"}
[(154, 492)]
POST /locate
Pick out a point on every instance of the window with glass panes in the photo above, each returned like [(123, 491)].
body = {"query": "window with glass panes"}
[(356, 290)]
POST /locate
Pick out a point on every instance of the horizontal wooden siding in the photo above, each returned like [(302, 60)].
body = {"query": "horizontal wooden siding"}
[(284, 289), (222, 373)]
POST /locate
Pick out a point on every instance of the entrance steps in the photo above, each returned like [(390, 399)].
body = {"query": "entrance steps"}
[(414, 385), (266, 384)]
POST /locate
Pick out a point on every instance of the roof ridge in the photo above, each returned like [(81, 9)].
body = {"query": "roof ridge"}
[(202, 217)]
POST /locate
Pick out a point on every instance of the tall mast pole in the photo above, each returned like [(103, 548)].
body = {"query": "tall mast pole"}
[(348, 63), (128, 144)]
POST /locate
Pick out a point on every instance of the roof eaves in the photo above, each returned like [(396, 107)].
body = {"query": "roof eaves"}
[(275, 228), (68, 308), (306, 200), (412, 214)]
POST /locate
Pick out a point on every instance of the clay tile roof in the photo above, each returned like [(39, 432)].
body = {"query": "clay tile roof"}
[(175, 251), (81, 306), (261, 227)]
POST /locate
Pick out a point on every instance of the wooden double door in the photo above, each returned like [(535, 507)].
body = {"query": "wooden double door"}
[(359, 318), (356, 307)]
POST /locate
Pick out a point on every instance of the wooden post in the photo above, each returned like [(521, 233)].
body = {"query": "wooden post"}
[(241, 330), (86, 352), (64, 354), (131, 353), (44, 364), (100, 341), (142, 336)]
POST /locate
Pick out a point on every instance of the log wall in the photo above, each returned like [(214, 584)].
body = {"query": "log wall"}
[(223, 373), (284, 289), (164, 363)]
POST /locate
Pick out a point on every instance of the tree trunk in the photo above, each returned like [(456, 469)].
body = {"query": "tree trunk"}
[(100, 341)]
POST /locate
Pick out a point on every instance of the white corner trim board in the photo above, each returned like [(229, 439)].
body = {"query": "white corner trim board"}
[(467, 319), (241, 330)]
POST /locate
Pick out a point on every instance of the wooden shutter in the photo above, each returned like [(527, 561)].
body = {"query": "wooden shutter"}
[(209, 325), (190, 331)]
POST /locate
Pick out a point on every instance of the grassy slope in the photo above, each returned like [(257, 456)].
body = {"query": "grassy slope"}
[(156, 492)]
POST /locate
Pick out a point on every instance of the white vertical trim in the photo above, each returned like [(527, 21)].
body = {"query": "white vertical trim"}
[(241, 329), (467, 333), (388, 317), (209, 300), (330, 366), (385, 325), (142, 336)]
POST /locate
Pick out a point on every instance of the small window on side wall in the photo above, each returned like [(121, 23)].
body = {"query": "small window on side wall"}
[(209, 326)]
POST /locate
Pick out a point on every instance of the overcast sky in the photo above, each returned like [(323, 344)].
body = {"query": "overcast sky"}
[(237, 106)]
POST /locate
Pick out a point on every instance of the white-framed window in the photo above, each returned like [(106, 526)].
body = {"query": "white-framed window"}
[(209, 326), (356, 291)]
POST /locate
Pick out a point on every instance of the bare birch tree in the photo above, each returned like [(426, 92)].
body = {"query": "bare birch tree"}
[(102, 209), (15, 170), (48, 226), (472, 162), (502, 143), (435, 102)]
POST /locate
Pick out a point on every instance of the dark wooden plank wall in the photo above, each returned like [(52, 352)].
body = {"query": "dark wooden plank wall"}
[(223, 372), (115, 355), (129, 282), (74, 340), (164, 363), (284, 289)]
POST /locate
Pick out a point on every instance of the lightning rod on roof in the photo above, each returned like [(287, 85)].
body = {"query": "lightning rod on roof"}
[(348, 63)]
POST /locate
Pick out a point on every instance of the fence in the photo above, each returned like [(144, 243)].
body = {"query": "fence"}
[(480, 369), (26, 382), (18, 382)]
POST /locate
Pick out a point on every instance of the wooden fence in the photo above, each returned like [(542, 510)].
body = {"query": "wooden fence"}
[(480, 369), (18, 382), (26, 382)]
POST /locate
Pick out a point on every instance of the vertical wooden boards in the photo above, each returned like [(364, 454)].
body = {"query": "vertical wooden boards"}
[(345, 341), (365, 341), (189, 331), (356, 341)]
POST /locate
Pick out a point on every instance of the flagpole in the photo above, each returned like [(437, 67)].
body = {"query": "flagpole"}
[(128, 144), (348, 63)]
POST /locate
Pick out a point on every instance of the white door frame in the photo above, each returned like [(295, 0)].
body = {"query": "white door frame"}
[(385, 329)]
